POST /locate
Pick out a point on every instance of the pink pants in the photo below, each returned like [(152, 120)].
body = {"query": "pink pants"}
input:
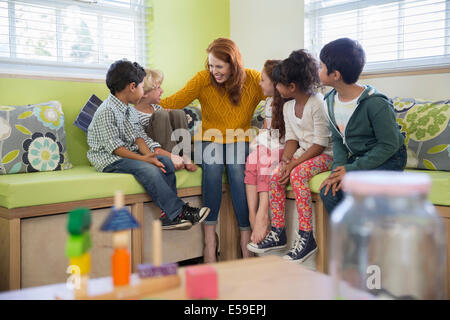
[(300, 177), (259, 166)]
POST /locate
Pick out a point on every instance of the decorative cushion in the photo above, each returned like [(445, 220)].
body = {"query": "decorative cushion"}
[(87, 113), (425, 125), (259, 116), (32, 138), (194, 117)]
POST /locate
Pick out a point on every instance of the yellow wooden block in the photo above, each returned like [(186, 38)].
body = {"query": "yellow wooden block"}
[(83, 262)]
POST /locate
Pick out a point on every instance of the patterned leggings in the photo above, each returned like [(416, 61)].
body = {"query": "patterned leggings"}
[(300, 177)]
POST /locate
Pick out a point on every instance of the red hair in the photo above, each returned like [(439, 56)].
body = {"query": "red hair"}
[(227, 51)]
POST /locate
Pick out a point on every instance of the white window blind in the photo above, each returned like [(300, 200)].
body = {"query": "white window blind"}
[(396, 35), (75, 38)]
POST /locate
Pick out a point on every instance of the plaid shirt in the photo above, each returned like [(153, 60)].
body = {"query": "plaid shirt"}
[(114, 125)]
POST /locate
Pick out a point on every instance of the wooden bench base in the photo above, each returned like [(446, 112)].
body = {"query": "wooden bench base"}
[(14, 221)]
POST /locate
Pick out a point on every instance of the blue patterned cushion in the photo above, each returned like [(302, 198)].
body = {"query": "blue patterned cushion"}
[(87, 113)]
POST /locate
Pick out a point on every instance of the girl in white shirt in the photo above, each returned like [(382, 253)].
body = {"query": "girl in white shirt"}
[(307, 153), (267, 149)]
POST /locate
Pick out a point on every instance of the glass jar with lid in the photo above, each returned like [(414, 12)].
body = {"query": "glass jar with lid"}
[(386, 237)]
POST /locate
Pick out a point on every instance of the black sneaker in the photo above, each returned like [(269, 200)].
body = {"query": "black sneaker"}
[(177, 223), (304, 246), (274, 240), (194, 215)]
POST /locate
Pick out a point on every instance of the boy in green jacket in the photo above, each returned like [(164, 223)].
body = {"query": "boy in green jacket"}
[(364, 131)]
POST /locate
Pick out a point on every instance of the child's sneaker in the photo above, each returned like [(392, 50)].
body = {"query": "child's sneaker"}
[(304, 246), (177, 223), (274, 240), (194, 215)]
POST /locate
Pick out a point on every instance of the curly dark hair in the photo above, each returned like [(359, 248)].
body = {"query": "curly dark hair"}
[(123, 72), (302, 69), (278, 100)]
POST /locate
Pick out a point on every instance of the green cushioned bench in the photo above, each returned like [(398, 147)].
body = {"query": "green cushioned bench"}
[(439, 193), (76, 184)]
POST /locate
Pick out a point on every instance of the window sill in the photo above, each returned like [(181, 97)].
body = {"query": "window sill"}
[(402, 73), (48, 77)]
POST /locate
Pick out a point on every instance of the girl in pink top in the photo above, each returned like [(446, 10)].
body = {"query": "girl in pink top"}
[(267, 150)]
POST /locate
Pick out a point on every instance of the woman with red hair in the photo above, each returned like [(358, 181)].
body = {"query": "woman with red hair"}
[(228, 94)]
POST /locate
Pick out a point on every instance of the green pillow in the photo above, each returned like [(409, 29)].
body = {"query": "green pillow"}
[(32, 138), (425, 125)]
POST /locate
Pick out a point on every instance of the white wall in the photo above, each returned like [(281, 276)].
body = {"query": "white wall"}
[(266, 29), (426, 86), (271, 29)]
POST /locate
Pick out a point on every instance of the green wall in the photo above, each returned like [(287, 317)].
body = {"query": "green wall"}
[(181, 31)]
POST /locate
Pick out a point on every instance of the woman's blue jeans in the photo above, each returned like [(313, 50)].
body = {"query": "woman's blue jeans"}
[(396, 163), (214, 158), (162, 187)]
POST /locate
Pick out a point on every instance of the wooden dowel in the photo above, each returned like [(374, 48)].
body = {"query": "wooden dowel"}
[(157, 243), (118, 199)]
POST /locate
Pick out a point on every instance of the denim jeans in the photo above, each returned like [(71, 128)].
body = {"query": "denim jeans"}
[(396, 163), (161, 186), (216, 157)]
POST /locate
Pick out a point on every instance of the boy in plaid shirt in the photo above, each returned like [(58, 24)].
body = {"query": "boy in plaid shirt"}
[(117, 143)]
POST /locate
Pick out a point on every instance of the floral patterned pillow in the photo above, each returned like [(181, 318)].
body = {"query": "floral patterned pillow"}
[(425, 125), (32, 138)]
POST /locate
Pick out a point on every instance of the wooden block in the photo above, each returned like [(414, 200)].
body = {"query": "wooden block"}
[(150, 270), (83, 262), (139, 291), (78, 244), (121, 267), (79, 221), (201, 282), (157, 243)]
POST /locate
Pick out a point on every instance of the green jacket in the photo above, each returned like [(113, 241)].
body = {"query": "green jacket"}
[(371, 135)]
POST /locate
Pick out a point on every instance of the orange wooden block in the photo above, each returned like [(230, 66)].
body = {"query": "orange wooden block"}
[(121, 267)]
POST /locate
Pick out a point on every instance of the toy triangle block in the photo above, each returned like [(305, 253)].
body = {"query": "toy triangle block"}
[(118, 220)]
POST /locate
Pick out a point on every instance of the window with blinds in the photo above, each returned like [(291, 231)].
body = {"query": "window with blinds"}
[(396, 35), (75, 38)]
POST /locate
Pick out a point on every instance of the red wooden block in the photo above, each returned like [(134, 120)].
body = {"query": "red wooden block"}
[(201, 282)]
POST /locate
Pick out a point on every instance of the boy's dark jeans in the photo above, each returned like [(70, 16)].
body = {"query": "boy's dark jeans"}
[(396, 163), (162, 187)]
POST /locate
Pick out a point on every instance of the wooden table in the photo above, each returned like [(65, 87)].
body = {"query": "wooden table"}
[(263, 278)]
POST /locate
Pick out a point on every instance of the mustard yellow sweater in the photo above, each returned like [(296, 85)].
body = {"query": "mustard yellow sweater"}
[(217, 110)]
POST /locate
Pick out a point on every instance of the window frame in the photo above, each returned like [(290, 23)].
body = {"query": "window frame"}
[(422, 64), (63, 69)]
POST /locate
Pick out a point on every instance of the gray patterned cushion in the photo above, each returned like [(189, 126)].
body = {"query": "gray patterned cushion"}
[(32, 138), (425, 125)]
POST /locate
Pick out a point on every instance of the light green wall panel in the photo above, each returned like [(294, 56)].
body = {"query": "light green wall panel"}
[(182, 31)]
